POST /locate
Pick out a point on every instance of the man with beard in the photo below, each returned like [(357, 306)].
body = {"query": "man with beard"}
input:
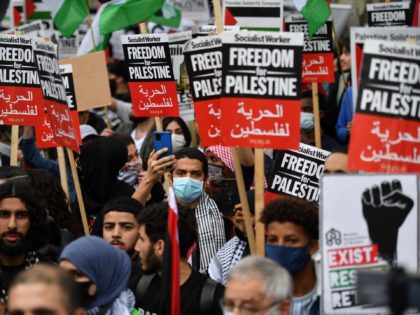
[(199, 294), (22, 226)]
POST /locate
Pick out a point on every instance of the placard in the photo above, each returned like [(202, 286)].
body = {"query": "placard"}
[(176, 47), (262, 15), (388, 14), (90, 75), (297, 173), (44, 134), (358, 36), (205, 30), (21, 100), (54, 94), (367, 222), (261, 90), (318, 55), (67, 46), (66, 72), (151, 79), (203, 57), (386, 126), (196, 10), (33, 29)]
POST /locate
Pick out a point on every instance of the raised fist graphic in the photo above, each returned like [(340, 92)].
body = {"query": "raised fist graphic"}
[(385, 209)]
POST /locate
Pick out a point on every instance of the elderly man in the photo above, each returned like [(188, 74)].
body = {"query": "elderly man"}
[(257, 286)]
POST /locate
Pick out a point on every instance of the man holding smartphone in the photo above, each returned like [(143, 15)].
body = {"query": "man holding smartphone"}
[(189, 171), (188, 178)]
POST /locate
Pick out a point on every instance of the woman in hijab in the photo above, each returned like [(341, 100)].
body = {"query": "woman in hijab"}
[(101, 161), (101, 272)]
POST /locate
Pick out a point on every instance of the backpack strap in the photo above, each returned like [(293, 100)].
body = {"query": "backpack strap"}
[(207, 296), (142, 286)]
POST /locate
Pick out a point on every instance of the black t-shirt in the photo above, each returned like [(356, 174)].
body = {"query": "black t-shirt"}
[(8, 274), (190, 296)]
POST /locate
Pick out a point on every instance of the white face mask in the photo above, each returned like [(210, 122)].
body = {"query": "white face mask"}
[(178, 142)]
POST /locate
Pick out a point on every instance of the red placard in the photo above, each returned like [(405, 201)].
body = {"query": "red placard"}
[(67, 75), (154, 99), (261, 123), (318, 55), (44, 134), (55, 95), (151, 79), (203, 58), (386, 128), (21, 100), (261, 90)]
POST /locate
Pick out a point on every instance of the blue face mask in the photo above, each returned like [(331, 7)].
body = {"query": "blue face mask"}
[(187, 189), (291, 258), (306, 121)]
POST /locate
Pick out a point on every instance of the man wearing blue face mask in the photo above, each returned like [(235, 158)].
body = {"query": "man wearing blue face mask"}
[(307, 122), (292, 240), (188, 177)]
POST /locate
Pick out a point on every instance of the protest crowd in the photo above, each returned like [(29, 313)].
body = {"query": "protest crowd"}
[(209, 157)]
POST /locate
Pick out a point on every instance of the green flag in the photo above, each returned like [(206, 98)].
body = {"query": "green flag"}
[(67, 14)]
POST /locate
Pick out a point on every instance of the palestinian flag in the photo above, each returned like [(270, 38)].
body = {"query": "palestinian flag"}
[(37, 10), (169, 15), (170, 273), (113, 16), (30, 8), (315, 12), (67, 15), (17, 13), (414, 13), (258, 16)]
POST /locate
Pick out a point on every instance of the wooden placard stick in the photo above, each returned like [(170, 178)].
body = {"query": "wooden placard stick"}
[(218, 16), (78, 192), (14, 141), (63, 170), (237, 164), (317, 120), (259, 201), (14, 146), (244, 201), (89, 23)]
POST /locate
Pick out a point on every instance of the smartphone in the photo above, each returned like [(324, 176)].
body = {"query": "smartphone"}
[(162, 139)]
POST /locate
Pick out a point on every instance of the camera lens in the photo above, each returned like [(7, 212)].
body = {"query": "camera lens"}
[(158, 137)]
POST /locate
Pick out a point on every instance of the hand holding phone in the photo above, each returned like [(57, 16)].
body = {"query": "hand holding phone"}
[(162, 139)]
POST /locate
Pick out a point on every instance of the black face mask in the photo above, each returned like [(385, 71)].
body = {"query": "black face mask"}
[(84, 292)]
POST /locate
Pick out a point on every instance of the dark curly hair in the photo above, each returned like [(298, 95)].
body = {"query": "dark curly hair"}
[(155, 218), (38, 231), (53, 198), (298, 211)]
